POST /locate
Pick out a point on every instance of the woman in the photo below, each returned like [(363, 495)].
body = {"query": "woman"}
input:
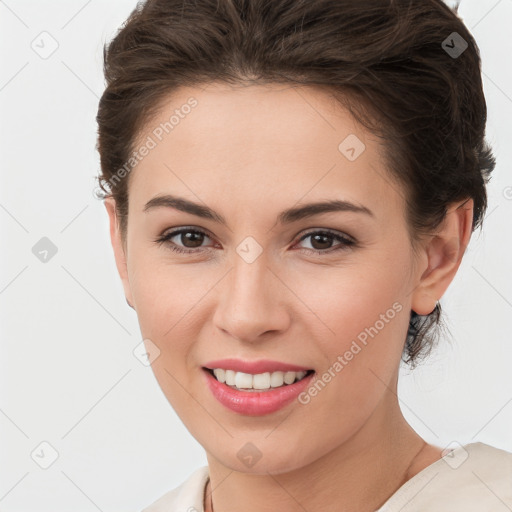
[(291, 186)]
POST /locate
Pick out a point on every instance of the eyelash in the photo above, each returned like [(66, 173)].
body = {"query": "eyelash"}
[(346, 242)]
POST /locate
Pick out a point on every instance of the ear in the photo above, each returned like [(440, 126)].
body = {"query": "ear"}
[(119, 249), (442, 256)]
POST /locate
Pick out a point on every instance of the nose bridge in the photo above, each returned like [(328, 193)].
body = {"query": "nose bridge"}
[(249, 303), (249, 279)]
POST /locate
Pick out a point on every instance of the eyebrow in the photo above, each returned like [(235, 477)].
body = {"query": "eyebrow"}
[(285, 217)]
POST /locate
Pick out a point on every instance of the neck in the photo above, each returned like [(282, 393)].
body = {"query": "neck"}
[(360, 474)]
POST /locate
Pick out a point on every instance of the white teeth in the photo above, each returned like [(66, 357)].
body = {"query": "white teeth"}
[(230, 377), (220, 373), (243, 380), (276, 379), (260, 381), (289, 377)]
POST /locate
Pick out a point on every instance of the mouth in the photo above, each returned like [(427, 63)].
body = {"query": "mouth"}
[(256, 387), (259, 382), (259, 393)]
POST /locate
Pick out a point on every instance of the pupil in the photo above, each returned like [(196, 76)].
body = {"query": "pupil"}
[(192, 237), (325, 239)]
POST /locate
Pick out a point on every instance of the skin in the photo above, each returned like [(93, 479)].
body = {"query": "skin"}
[(249, 153)]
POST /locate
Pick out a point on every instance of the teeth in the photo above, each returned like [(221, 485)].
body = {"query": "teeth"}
[(289, 377), (276, 379), (265, 380), (243, 380), (230, 377), (220, 374)]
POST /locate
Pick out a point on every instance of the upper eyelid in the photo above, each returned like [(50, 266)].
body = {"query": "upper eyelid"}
[(328, 231), (176, 231)]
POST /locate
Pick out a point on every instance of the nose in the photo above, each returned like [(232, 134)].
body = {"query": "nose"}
[(253, 303)]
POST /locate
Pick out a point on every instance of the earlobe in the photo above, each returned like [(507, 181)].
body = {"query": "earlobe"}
[(118, 247), (444, 254)]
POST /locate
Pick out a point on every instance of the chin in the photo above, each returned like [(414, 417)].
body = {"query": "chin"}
[(274, 464)]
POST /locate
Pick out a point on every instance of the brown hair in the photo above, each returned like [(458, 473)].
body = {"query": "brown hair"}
[(396, 65)]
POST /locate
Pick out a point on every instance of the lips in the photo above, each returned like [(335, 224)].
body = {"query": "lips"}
[(254, 402)]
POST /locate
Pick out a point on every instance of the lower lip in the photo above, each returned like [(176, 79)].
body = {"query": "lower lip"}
[(256, 403)]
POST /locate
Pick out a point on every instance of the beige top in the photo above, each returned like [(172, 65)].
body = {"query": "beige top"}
[(475, 477)]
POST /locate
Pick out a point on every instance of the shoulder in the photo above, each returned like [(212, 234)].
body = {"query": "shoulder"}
[(187, 497), (473, 477), (480, 466)]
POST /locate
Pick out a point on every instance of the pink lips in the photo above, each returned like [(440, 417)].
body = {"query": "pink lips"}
[(255, 403)]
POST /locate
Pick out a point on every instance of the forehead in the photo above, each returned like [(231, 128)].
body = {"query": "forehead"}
[(260, 143)]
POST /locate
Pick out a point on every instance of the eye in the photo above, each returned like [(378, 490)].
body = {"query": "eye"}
[(189, 237), (321, 241), (192, 240)]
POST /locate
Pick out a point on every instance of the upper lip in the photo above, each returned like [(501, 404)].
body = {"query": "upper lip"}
[(254, 367)]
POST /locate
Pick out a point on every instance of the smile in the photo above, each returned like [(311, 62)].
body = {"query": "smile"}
[(259, 381), (256, 394)]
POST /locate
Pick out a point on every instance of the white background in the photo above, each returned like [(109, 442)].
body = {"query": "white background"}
[(67, 372)]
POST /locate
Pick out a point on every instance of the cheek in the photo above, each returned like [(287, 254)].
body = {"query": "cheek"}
[(364, 321), (347, 303), (163, 292), (171, 309), (361, 360)]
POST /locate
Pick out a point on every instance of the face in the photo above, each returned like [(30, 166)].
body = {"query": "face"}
[(235, 284)]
